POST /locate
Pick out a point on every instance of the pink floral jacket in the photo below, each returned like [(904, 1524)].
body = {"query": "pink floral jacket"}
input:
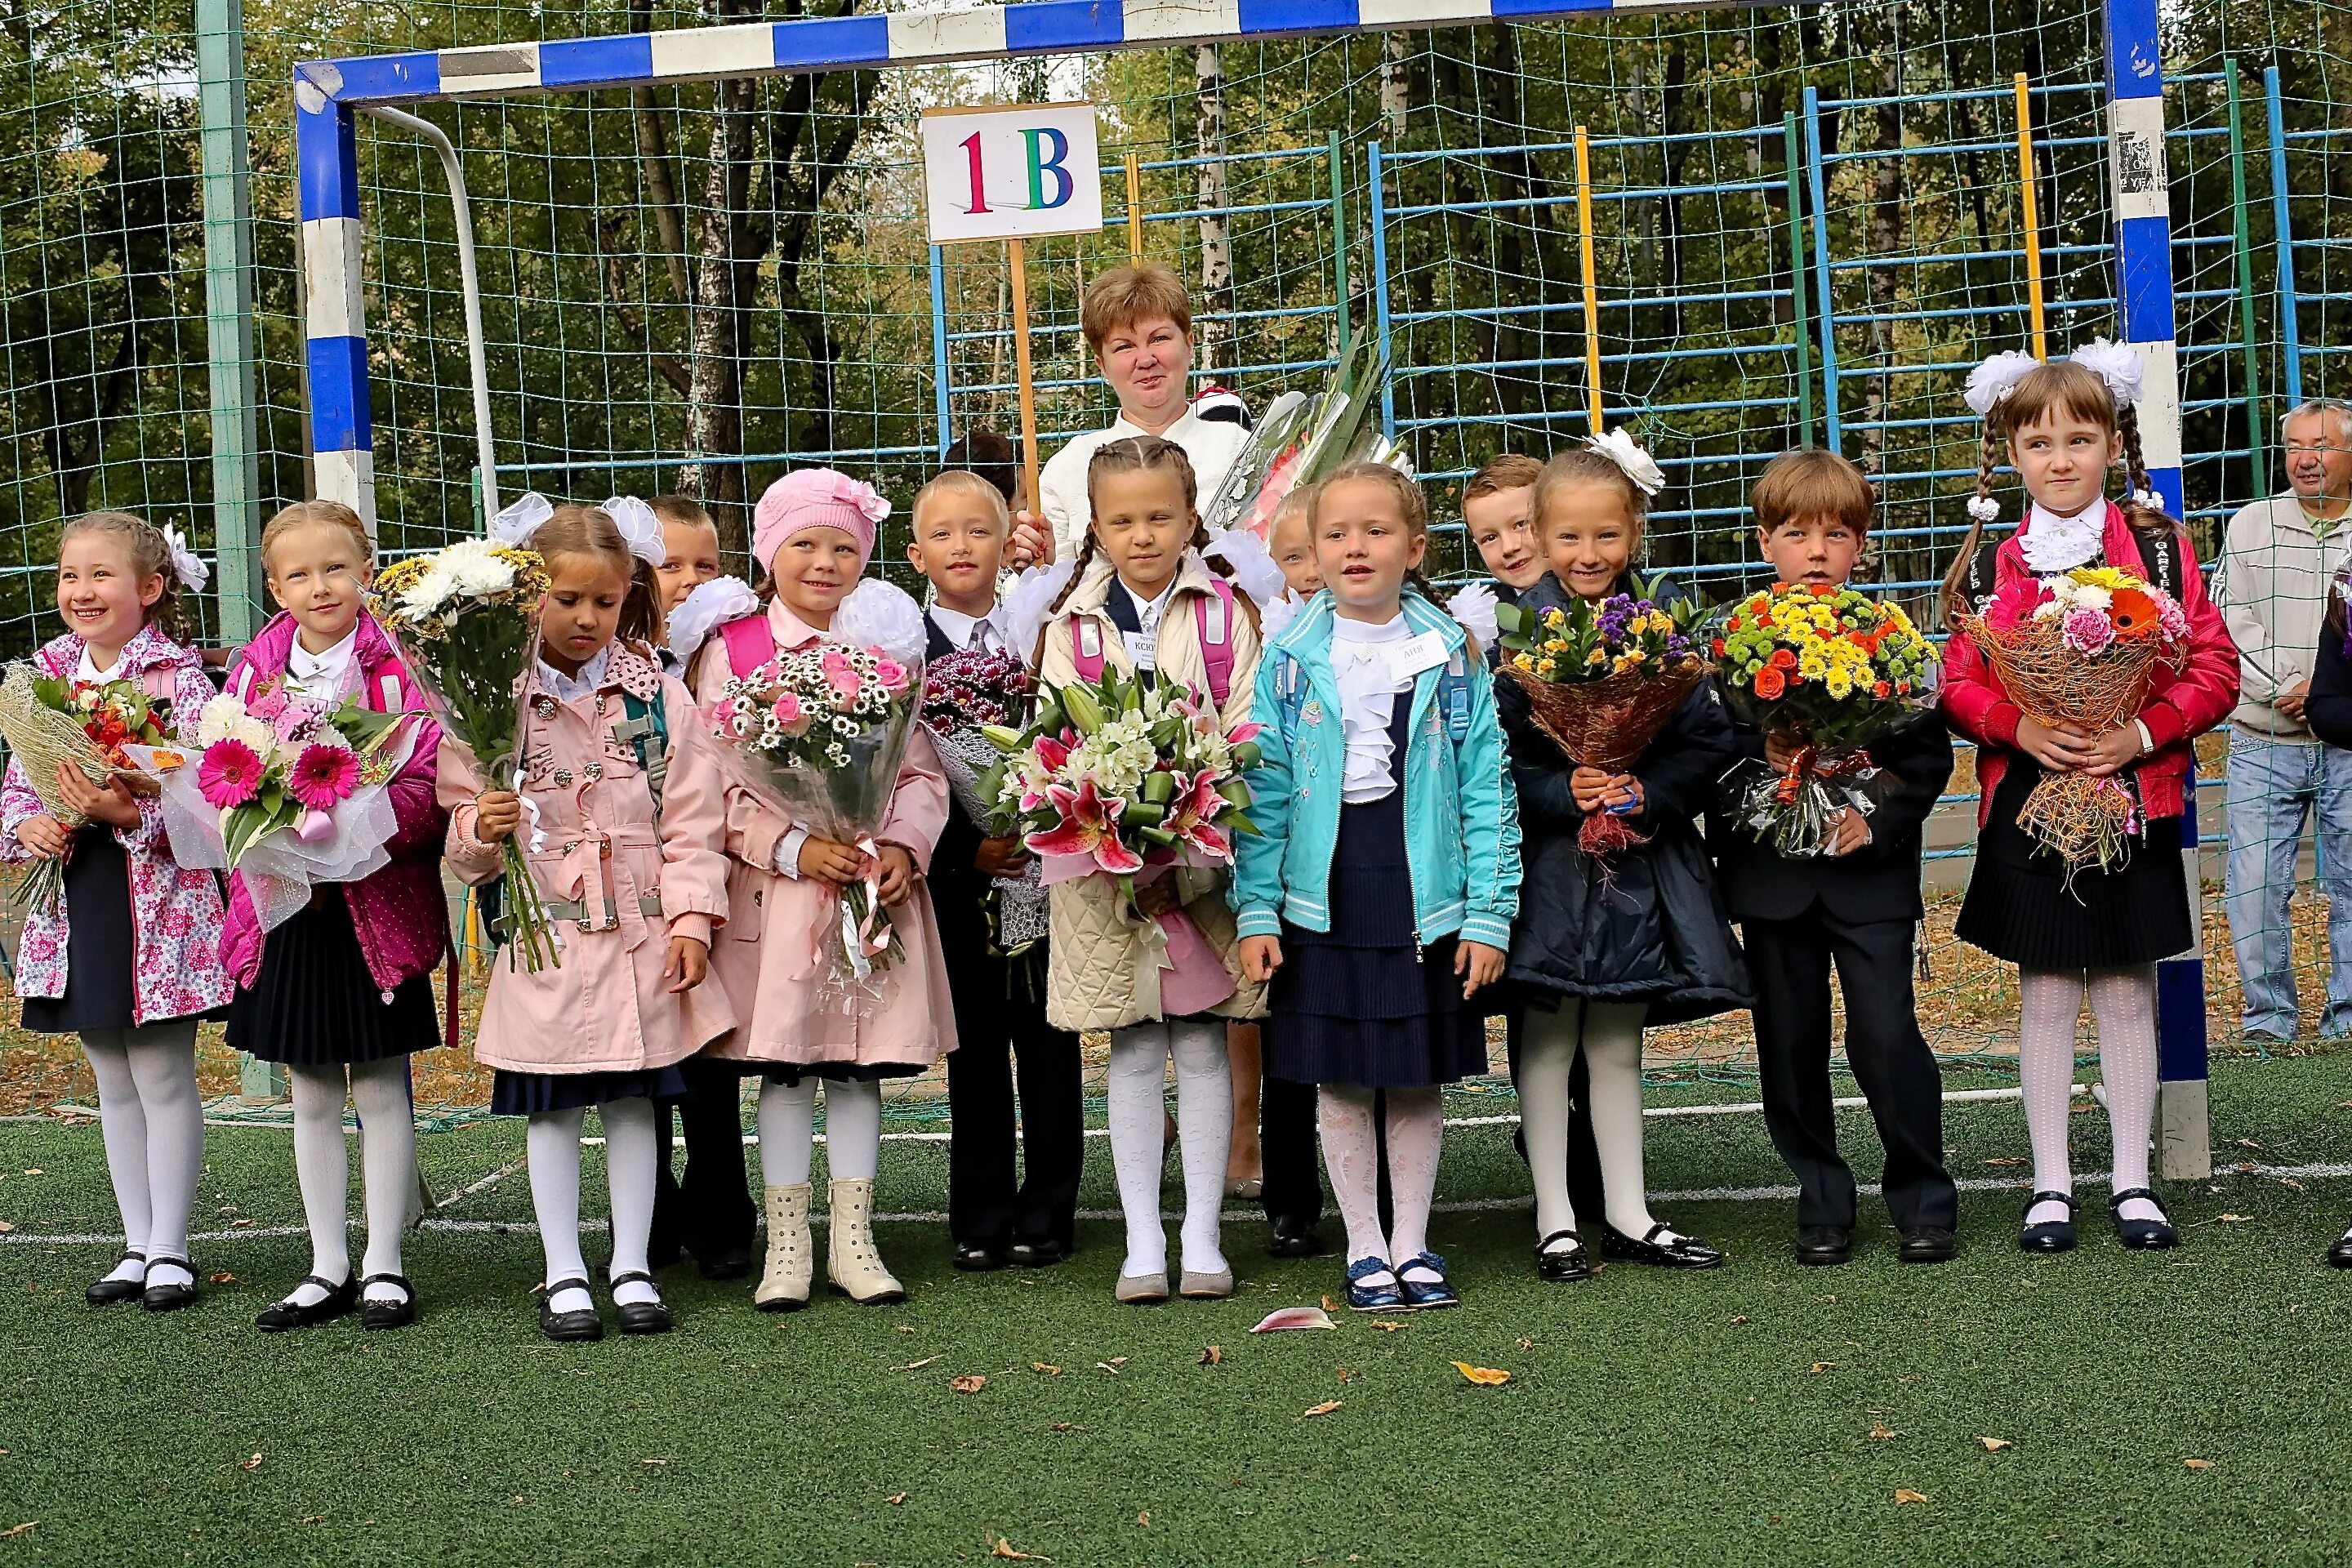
[(175, 911)]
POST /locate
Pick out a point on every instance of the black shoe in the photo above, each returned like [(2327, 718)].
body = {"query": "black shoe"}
[(2143, 1235), (2340, 1255), (978, 1260), (1682, 1252), (374, 1314), (568, 1328), (106, 1292), (1563, 1265), (731, 1260), (169, 1298), (1036, 1252), (2051, 1234), (1928, 1244), (1824, 1245), (652, 1317), (281, 1315), (664, 1251), (1292, 1239)]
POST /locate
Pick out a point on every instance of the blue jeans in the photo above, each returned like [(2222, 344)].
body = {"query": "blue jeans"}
[(2274, 785)]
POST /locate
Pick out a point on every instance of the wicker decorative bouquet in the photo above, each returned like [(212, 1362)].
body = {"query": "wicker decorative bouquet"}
[(1601, 680), (2080, 650), (962, 693), (1829, 670), (48, 721), (466, 620)]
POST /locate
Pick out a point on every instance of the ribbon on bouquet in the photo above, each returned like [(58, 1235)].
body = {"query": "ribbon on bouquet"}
[(865, 939), (530, 811), (1855, 765)]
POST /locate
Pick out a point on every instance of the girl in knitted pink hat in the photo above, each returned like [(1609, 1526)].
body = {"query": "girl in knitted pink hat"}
[(813, 532)]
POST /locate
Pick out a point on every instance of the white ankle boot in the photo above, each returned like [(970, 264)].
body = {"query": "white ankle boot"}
[(791, 1251), (852, 1261)]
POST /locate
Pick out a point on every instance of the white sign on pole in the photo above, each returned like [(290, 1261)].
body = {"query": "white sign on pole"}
[(1011, 173)]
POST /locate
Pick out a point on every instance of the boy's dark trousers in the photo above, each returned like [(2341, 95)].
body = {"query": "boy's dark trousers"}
[(1001, 1029), (1294, 1168), (709, 1211)]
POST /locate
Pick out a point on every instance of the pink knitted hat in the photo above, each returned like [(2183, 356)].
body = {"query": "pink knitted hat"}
[(816, 498)]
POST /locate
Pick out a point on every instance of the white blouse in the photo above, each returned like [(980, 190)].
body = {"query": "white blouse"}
[(1363, 661), (2052, 544), (319, 677)]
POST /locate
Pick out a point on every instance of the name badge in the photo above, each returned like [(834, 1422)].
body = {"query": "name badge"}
[(1142, 649), (1414, 654)]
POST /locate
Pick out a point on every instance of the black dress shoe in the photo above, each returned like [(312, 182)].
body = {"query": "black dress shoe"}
[(1036, 1252), (375, 1314), (171, 1296), (1682, 1252), (1928, 1244), (731, 1260), (1562, 1265), (2143, 1235), (1292, 1239), (569, 1328), (2051, 1234), (106, 1292), (280, 1316), (1824, 1245), (978, 1260), (2340, 1255), (663, 1251), (652, 1317)]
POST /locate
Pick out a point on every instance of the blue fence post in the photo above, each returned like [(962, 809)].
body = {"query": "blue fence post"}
[(1824, 301), (2283, 227), (940, 371), (1379, 218), (2143, 208), (327, 166)]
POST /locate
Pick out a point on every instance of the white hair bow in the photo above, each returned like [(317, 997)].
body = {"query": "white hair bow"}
[(1620, 447), (1997, 378), (711, 605), (1984, 508), (186, 565), (639, 526), (2117, 364), (519, 519)]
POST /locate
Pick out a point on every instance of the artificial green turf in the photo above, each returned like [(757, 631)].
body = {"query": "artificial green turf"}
[(1652, 1417)]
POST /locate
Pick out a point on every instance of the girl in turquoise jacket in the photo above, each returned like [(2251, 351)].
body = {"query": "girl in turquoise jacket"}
[(1379, 893)]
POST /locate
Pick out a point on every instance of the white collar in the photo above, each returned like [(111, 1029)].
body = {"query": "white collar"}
[(573, 688), (1149, 616), (1393, 629), (320, 675), (88, 670), (966, 631), (2052, 544)]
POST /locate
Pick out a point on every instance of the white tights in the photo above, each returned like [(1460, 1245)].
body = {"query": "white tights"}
[(378, 1090), (1610, 1035), (2123, 1001), (552, 1141), (152, 1121), (853, 1130), (1415, 1122), (1136, 1093)]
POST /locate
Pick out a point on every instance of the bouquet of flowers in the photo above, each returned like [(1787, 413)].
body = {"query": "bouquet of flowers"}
[(1301, 440), (1601, 680), (2080, 648), (287, 792), (1829, 670), (49, 720), (466, 620), (962, 693)]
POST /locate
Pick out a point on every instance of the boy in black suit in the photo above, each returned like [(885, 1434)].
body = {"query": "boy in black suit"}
[(1859, 904)]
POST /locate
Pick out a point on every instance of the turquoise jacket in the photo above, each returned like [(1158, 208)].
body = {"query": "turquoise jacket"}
[(1461, 812)]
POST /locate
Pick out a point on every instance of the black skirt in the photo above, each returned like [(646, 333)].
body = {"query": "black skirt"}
[(834, 1072), (2020, 907), (535, 1093), (314, 1002), (101, 990)]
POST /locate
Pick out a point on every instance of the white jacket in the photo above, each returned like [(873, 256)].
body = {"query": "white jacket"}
[(2273, 586)]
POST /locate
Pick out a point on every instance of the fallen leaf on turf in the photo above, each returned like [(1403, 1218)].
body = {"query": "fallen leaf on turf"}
[(2198, 1464), (1995, 1445), (896, 1499), (1345, 1374), (241, 1225), (2003, 1165), (224, 1278), (1062, 1427), (312, 1519), (252, 1464), (653, 1461), (1386, 1325), (1324, 1408), (916, 1366), (969, 1382), (905, 1329), (1741, 1318), (1048, 1369), (5, 1227), (1212, 1356), (33, 1170), (1904, 1494), (2232, 1218), (1823, 1365), (1144, 1519), (1483, 1376), (1879, 1432), (1005, 1547), (2242, 1144), (1297, 1318), (2291, 1182), (1526, 1344), (1106, 1366), (19, 1529)]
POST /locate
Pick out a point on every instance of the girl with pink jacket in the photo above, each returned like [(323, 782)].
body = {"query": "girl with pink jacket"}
[(814, 532), (622, 834)]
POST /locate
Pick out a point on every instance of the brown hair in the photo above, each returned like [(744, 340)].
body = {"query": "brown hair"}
[(1504, 471), (2065, 387), (1126, 295), (302, 513), (684, 511), (574, 530), (1410, 504), (1583, 465), (963, 481), (990, 454), (1137, 455), (1808, 482), (150, 556)]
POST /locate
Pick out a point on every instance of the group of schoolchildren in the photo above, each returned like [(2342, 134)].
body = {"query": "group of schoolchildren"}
[(1417, 872)]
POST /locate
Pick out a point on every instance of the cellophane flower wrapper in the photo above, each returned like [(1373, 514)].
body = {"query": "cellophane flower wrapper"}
[(48, 720), (466, 623), (817, 735), (1829, 671), (2081, 647), (1303, 440), (961, 692)]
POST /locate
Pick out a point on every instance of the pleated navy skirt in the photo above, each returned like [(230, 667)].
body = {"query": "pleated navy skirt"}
[(535, 1093), (314, 1003), (2020, 906), (99, 991)]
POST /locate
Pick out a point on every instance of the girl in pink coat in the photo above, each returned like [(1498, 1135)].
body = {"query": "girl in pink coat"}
[(131, 957), (623, 837), (814, 532), (343, 993)]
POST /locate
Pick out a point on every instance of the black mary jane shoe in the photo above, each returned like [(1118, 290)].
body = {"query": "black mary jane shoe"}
[(1036, 1252), (2051, 1234), (106, 1292), (569, 1328), (1930, 1244), (1824, 1245), (2143, 1235), (375, 1314), (1562, 1265), (978, 1260), (2340, 1255), (171, 1296), (652, 1317), (1292, 1239), (1682, 1252), (288, 1313)]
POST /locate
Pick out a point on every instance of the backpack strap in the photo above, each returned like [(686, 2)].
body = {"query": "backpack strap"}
[(750, 643), (2166, 562), (1453, 693), (1289, 696), (647, 730), (1984, 575), (1086, 647), (1213, 618)]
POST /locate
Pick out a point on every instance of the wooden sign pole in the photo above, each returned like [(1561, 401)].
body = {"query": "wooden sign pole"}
[(1016, 253)]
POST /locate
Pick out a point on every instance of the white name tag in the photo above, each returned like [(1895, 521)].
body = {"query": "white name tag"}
[(1414, 654), (1142, 649)]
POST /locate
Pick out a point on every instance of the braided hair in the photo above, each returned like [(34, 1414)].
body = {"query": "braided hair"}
[(1135, 455)]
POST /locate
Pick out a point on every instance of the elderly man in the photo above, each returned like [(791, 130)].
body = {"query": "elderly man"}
[(2279, 560)]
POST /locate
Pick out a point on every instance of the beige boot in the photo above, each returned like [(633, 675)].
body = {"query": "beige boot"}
[(851, 1258), (791, 1251)]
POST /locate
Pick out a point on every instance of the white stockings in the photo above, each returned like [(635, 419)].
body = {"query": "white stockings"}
[(1136, 1093), (552, 1142), (152, 1121), (2123, 1001), (1414, 1123), (1610, 1035), (378, 1090)]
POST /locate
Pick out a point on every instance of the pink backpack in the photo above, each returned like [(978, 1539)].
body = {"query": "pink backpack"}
[(1213, 618), (750, 643)]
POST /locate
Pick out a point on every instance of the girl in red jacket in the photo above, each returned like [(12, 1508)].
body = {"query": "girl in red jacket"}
[(2065, 424)]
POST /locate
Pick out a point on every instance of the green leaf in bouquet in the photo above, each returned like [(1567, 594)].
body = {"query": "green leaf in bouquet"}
[(1247, 755), (1237, 792), (1141, 811), (1159, 788), (1239, 822), (1165, 733), (1158, 837), (1051, 719), (54, 692)]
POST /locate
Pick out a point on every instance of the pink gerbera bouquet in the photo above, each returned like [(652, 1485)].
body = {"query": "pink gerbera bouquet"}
[(272, 763)]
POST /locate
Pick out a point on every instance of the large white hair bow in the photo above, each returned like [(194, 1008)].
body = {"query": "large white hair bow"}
[(519, 519), (1620, 447), (1997, 378), (2117, 364), (1254, 571), (639, 526), (882, 614), (186, 564), (711, 605)]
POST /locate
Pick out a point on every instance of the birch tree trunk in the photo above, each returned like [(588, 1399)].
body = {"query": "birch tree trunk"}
[(714, 403), (1215, 335)]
